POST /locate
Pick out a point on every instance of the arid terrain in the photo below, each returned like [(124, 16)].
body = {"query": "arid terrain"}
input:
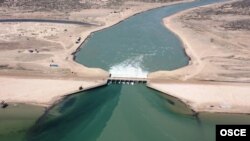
[(216, 37), (45, 49), (40, 53), (221, 52), (77, 10)]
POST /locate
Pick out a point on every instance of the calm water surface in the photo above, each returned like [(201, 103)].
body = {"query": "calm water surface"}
[(124, 113), (116, 113), (138, 45), (16, 120)]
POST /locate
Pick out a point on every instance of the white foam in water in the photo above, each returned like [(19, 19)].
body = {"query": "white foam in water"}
[(129, 68)]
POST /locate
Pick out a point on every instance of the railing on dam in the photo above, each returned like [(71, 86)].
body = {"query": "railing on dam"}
[(126, 80)]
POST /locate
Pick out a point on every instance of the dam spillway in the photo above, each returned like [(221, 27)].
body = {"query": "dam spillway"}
[(126, 80)]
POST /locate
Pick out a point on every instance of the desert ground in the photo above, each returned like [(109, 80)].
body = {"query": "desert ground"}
[(36, 58), (216, 37)]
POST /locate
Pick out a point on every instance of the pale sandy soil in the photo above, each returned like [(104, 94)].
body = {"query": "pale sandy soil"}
[(218, 54), (27, 51), (43, 92), (31, 79), (50, 44), (209, 97)]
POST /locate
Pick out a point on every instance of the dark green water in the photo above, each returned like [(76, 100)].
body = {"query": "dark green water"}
[(124, 113), (116, 112), (16, 120)]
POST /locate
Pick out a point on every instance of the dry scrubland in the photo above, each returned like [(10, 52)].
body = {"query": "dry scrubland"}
[(30, 49), (73, 9), (40, 54), (216, 38)]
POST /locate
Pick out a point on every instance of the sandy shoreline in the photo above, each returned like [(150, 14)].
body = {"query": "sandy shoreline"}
[(208, 97), (203, 84), (126, 15), (42, 92), (35, 86)]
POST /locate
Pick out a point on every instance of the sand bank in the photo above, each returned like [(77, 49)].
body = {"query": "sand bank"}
[(209, 97), (218, 58), (42, 92)]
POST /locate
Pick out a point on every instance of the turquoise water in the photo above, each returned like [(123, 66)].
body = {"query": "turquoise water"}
[(124, 113), (117, 112), (138, 45)]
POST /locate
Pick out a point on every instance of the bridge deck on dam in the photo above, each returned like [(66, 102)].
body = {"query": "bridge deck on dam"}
[(126, 80)]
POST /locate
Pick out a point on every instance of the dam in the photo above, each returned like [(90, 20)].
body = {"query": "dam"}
[(126, 80)]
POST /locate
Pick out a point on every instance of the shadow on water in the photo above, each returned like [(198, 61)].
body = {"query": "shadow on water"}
[(125, 112), (204, 122), (142, 115), (115, 112), (177, 106), (82, 115)]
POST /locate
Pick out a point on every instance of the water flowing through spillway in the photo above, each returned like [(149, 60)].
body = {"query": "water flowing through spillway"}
[(131, 67), (121, 112)]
